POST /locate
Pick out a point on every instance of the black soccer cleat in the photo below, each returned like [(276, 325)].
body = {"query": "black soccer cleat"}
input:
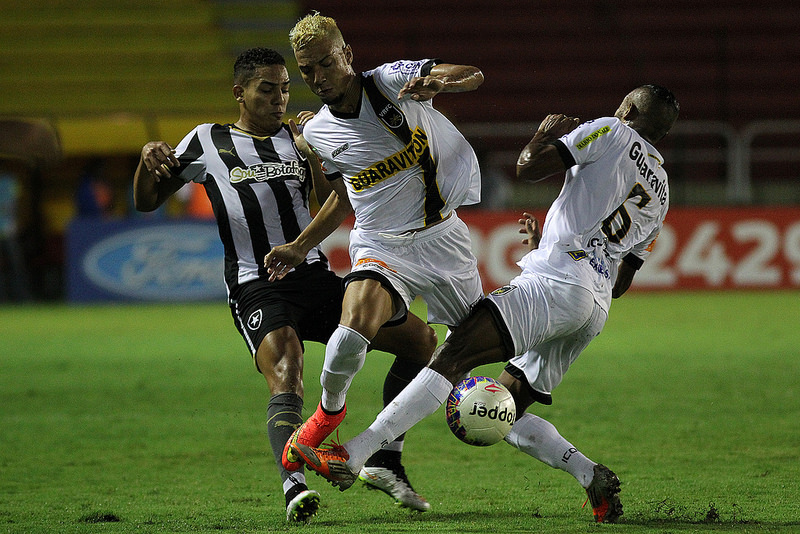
[(603, 495)]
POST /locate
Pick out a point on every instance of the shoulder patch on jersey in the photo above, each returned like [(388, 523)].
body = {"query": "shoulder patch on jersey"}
[(583, 143), (577, 255), (503, 290)]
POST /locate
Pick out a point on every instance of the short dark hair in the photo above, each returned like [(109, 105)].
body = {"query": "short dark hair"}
[(244, 69), (665, 96), (659, 108)]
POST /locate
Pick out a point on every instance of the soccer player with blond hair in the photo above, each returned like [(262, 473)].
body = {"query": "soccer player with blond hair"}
[(403, 169)]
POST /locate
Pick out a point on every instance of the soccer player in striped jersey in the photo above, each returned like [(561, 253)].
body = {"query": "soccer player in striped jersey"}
[(403, 168), (258, 173), (597, 234)]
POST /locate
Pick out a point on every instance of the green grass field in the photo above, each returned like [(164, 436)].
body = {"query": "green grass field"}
[(152, 419)]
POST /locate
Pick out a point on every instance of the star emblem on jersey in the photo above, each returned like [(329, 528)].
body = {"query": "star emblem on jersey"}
[(254, 321)]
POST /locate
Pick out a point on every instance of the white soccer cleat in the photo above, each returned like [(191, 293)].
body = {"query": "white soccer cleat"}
[(393, 482), (302, 507)]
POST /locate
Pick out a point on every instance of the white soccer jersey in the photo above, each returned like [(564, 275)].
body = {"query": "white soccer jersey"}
[(385, 183), (613, 203)]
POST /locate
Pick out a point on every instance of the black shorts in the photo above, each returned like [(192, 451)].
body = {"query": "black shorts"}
[(309, 300)]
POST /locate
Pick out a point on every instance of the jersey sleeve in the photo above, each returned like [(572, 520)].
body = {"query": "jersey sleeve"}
[(393, 76), (328, 166), (191, 158), (639, 253), (590, 141)]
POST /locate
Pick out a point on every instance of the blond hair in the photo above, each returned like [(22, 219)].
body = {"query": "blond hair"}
[(312, 27)]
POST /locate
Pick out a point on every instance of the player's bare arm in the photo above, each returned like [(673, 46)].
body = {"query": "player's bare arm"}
[(322, 187), (153, 181), (284, 258), (625, 275), (444, 78), (540, 159)]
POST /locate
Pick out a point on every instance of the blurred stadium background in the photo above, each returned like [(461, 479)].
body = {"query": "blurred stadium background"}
[(85, 84)]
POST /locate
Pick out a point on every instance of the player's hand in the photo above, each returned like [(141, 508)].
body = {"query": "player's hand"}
[(305, 116), (530, 227), (421, 88), (282, 259), (555, 125), (158, 158)]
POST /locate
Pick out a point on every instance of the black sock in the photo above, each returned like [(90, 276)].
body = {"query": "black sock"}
[(399, 376), (383, 458), (283, 417)]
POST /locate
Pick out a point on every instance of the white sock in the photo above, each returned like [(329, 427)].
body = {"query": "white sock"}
[(395, 446), (295, 478), (344, 357), (418, 400), (539, 438)]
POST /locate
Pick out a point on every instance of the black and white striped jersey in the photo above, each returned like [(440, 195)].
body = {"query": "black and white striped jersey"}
[(258, 188)]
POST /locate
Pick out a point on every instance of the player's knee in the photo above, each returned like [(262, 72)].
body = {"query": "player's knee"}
[(447, 360), (430, 340), (283, 375), (520, 390), (422, 345)]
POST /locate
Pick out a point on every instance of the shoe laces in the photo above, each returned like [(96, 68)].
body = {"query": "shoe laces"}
[(334, 443)]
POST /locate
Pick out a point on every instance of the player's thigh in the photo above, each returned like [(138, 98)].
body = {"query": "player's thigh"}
[(318, 306), (412, 340), (478, 340), (450, 280), (519, 389), (535, 309), (544, 365), (309, 302), (367, 305)]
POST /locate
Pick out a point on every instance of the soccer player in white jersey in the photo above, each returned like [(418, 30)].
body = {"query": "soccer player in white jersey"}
[(403, 169), (256, 175), (597, 233)]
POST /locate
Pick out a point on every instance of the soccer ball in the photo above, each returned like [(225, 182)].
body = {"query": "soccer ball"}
[(480, 411)]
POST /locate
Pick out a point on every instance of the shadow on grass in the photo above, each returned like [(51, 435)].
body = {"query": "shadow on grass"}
[(666, 514), (664, 517), (457, 522)]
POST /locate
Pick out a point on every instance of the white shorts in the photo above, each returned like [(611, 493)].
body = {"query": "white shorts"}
[(550, 324), (436, 264)]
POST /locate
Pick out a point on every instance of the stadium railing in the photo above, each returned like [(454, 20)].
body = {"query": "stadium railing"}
[(713, 151)]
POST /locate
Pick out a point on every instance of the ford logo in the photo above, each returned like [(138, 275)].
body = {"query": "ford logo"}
[(168, 262)]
